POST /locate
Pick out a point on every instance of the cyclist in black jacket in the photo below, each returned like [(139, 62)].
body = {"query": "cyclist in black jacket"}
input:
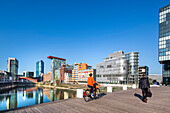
[(144, 85)]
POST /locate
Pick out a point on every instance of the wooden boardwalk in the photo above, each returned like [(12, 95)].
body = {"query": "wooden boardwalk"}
[(116, 102)]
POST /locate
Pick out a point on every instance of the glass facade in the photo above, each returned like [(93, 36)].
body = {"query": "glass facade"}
[(113, 70), (55, 68), (164, 42), (13, 68), (39, 70), (133, 58)]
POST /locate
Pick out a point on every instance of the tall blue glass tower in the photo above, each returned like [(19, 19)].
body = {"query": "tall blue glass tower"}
[(39, 69)]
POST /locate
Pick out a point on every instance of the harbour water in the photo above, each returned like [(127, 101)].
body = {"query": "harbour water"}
[(21, 97)]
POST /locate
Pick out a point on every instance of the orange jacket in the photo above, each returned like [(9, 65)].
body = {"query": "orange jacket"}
[(90, 81)]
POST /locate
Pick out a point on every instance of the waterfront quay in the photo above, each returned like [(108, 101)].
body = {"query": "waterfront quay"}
[(4, 86), (124, 101)]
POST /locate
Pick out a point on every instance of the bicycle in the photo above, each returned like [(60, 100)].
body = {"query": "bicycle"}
[(96, 93)]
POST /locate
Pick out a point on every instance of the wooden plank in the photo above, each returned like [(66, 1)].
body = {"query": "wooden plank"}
[(37, 110), (28, 110), (44, 109)]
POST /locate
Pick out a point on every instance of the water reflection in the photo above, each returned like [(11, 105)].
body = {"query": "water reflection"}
[(21, 97), (12, 100)]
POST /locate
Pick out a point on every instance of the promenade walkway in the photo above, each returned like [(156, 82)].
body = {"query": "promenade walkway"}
[(116, 102)]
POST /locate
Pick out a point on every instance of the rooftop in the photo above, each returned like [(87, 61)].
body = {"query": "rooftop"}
[(52, 57)]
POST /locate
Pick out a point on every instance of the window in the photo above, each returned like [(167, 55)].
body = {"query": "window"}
[(98, 75), (109, 66), (101, 66)]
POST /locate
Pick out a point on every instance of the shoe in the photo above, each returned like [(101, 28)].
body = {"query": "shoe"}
[(144, 100), (92, 96)]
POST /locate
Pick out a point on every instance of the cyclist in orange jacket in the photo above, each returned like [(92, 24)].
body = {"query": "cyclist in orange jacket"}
[(90, 82)]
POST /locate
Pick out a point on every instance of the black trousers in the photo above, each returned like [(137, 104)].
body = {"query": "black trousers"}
[(145, 93), (91, 88)]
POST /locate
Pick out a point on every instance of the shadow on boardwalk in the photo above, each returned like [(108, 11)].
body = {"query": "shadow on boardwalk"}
[(101, 95), (139, 96)]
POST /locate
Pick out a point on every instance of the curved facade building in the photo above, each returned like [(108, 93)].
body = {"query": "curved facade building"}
[(112, 71), (118, 68), (133, 58)]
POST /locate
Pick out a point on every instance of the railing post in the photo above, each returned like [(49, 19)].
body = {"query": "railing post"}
[(109, 89), (134, 86), (79, 93), (124, 87)]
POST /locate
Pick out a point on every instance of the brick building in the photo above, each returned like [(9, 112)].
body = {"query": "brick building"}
[(47, 77), (66, 73)]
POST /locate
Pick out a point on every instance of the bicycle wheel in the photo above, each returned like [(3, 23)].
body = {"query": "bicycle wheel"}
[(87, 95), (97, 93)]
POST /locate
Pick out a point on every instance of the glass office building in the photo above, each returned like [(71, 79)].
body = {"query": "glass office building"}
[(39, 69), (13, 68), (164, 42), (55, 67)]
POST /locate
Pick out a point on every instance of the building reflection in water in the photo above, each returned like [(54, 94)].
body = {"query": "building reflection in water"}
[(32, 96), (55, 95), (65, 95), (39, 96), (12, 100), (27, 95)]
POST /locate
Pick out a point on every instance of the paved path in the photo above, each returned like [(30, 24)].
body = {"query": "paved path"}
[(116, 102)]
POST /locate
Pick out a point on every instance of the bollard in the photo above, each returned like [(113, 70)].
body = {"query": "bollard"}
[(134, 86), (79, 93), (124, 87), (109, 89)]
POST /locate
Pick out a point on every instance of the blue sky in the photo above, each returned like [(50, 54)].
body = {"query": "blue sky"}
[(78, 30)]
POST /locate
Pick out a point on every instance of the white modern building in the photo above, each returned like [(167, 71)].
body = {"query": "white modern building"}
[(118, 68)]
